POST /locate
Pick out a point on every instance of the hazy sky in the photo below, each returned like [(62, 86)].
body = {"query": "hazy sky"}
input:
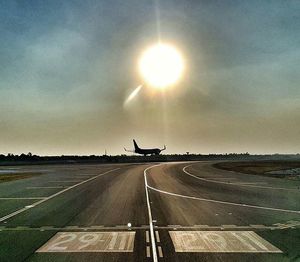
[(66, 68)]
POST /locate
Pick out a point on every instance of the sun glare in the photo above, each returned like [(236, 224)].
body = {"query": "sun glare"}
[(161, 65)]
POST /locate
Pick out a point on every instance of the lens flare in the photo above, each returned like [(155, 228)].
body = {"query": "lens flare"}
[(133, 94)]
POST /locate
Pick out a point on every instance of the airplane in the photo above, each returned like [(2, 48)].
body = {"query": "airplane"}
[(141, 151)]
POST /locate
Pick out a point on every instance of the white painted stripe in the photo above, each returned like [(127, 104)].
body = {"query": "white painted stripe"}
[(220, 177), (236, 184), (83, 175), (160, 253), (157, 236), (54, 195), (90, 242), (65, 181), (246, 183), (155, 259), (147, 237), (221, 241), (97, 227), (39, 187), (20, 198), (225, 202), (228, 226), (139, 228), (148, 251)]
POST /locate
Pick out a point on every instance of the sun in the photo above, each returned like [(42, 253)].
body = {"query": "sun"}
[(161, 65)]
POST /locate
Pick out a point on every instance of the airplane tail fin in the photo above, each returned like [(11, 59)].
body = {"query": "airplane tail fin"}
[(136, 147)]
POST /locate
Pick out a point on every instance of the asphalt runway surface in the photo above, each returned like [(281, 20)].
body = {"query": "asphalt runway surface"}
[(183, 211)]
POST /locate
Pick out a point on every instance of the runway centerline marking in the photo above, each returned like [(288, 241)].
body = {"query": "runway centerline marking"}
[(154, 253), (224, 202), (90, 242), (235, 183), (221, 241), (54, 195)]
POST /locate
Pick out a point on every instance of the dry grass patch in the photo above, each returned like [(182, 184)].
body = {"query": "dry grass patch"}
[(260, 167), (16, 176)]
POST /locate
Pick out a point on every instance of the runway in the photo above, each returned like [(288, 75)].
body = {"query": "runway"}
[(183, 211)]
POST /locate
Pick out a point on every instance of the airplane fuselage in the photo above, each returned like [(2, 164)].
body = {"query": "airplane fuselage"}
[(153, 151)]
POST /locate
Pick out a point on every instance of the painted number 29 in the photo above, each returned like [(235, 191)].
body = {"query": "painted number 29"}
[(82, 242)]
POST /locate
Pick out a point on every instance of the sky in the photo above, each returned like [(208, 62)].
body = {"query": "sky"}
[(66, 68)]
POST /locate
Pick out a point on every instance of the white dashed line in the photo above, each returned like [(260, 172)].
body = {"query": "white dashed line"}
[(148, 251), (160, 253), (157, 236)]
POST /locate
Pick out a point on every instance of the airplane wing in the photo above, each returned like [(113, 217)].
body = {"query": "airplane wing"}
[(129, 150), (164, 148)]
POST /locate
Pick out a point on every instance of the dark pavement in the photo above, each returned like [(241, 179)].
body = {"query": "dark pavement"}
[(112, 198)]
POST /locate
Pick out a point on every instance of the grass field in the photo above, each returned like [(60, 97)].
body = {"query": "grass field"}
[(260, 167)]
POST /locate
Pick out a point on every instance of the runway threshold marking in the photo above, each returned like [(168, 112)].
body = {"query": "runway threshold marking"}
[(160, 252), (90, 242), (148, 251), (157, 236), (224, 202), (54, 195), (221, 241), (236, 183)]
